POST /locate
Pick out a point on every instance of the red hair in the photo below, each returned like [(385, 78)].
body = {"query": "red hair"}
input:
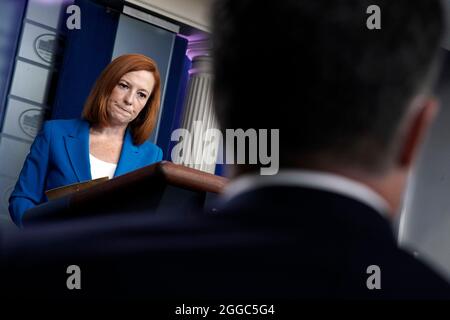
[(96, 104)]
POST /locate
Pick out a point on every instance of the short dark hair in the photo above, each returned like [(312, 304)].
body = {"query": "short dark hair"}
[(315, 71)]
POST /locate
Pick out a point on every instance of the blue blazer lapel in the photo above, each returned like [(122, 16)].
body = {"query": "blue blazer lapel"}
[(77, 146), (128, 155)]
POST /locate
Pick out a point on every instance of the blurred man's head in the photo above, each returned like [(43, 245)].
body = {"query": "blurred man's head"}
[(344, 97)]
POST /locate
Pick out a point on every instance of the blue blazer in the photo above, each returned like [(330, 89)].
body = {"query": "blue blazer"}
[(59, 156)]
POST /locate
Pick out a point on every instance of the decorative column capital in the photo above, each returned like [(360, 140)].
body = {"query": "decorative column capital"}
[(201, 65), (199, 47)]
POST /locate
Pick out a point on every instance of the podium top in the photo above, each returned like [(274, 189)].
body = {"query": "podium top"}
[(163, 172), (141, 188)]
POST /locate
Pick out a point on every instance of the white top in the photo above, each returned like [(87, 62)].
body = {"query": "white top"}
[(100, 168), (310, 179)]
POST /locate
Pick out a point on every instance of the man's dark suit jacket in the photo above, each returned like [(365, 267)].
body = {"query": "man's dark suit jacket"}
[(272, 242)]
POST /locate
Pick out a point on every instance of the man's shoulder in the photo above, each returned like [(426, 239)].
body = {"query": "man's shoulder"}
[(393, 273), (416, 273), (287, 200)]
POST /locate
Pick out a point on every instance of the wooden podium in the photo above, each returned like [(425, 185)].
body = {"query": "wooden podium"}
[(163, 186)]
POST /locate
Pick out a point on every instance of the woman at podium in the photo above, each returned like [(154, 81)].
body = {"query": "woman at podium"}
[(109, 140)]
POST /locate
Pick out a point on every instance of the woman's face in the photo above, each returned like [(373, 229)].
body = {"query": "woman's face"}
[(129, 97)]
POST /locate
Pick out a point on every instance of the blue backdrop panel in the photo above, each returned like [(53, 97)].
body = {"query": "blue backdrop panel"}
[(11, 15), (174, 97), (88, 51)]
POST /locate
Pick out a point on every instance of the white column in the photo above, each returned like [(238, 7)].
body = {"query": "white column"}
[(198, 114)]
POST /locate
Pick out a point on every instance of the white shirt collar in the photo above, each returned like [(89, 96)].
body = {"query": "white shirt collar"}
[(309, 179)]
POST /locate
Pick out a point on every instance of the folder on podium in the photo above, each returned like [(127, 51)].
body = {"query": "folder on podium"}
[(163, 186)]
